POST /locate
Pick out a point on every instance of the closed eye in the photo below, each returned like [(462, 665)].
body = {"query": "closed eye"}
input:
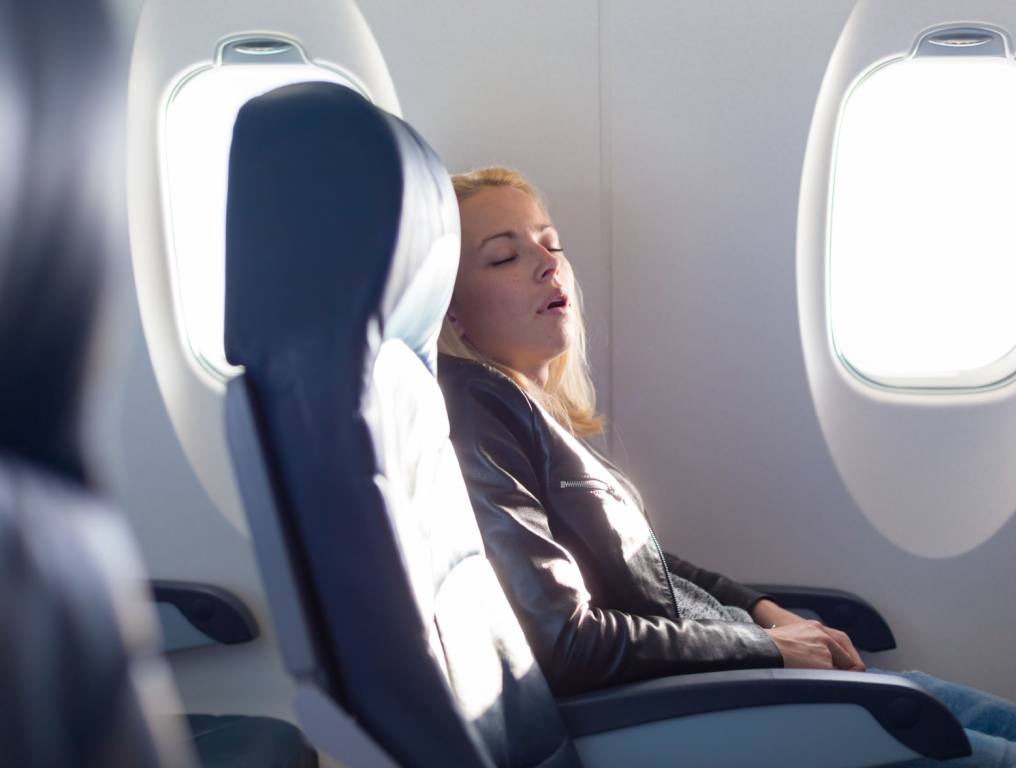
[(503, 261), (556, 250)]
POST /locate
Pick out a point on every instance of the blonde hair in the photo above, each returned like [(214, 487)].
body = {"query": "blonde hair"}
[(569, 395)]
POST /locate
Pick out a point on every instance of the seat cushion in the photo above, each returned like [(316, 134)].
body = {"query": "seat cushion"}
[(226, 741)]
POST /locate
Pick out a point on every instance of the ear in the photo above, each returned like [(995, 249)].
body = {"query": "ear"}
[(454, 320)]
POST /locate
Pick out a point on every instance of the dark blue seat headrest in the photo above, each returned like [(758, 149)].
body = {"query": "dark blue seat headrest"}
[(331, 233)]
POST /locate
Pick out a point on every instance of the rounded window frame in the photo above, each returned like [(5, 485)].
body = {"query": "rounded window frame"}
[(209, 371), (995, 375)]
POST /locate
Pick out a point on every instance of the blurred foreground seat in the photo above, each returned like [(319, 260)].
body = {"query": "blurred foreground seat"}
[(81, 677)]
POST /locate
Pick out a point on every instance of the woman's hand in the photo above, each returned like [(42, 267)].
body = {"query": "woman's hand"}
[(812, 645)]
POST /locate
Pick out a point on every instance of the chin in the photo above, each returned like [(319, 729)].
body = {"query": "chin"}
[(559, 350)]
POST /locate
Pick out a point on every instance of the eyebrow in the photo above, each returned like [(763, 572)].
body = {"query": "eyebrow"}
[(512, 233)]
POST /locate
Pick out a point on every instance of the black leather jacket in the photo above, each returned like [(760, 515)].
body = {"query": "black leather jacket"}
[(570, 542)]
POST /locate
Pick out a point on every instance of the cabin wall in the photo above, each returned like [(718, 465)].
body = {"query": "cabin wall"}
[(741, 478), (668, 137)]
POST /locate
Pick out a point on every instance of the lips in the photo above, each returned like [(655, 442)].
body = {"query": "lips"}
[(558, 303)]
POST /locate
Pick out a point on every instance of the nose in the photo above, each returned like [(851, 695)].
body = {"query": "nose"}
[(549, 264)]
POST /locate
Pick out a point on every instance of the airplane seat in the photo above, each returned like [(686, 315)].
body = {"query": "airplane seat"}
[(79, 676), (341, 252), (243, 741), (81, 679), (335, 291)]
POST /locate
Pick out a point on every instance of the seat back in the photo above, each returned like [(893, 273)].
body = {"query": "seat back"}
[(77, 661), (341, 251)]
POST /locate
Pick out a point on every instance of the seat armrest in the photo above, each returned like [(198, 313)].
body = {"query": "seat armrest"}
[(902, 708), (194, 614), (838, 609)]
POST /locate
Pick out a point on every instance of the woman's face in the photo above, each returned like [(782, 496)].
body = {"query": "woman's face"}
[(515, 290)]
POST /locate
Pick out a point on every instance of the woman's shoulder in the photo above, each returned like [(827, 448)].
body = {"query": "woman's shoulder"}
[(458, 373), (470, 386)]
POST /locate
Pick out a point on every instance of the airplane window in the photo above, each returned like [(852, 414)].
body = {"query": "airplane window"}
[(198, 129), (922, 250)]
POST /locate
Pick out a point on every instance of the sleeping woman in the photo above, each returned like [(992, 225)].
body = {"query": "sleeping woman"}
[(566, 532)]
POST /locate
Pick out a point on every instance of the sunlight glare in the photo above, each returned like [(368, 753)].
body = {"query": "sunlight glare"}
[(921, 250), (198, 132)]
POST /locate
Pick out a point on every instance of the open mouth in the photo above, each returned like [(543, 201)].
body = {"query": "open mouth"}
[(560, 302)]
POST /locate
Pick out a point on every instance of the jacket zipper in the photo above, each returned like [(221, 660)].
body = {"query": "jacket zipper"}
[(593, 485), (666, 570), (600, 485)]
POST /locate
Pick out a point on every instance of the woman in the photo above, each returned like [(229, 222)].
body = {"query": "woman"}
[(565, 530)]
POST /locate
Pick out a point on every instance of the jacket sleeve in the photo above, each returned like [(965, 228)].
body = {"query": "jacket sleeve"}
[(725, 590), (579, 646)]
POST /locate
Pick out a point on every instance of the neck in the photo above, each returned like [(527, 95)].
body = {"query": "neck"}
[(539, 376)]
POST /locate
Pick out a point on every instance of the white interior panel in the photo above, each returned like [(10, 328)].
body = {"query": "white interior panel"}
[(184, 537)]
